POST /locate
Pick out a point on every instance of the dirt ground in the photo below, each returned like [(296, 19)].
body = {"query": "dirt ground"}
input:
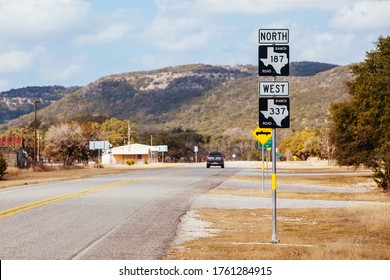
[(357, 231)]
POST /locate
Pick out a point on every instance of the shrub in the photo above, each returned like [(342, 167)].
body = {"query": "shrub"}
[(130, 162)]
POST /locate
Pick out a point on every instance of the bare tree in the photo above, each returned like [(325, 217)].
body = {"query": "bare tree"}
[(66, 142)]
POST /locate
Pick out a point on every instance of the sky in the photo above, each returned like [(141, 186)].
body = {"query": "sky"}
[(75, 42)]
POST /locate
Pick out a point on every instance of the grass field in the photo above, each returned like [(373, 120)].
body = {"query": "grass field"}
[(351, 233)]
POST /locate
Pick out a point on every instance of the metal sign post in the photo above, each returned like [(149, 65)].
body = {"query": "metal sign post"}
[(262, 167), (273, 238), (262, 135), (274, 110)]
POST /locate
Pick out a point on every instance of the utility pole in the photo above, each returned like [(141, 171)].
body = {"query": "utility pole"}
[(35, 131), (128, 133)]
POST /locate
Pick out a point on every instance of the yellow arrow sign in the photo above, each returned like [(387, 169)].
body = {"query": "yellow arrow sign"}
[(262, 134)]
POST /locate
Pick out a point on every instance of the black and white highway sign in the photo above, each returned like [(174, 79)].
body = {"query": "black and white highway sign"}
[(273, 88), (273, 36), (274, 60), (274, 112)]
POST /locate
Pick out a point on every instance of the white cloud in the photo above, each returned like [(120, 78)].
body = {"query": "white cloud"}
[(328, 47), (29, 18), (16, 60), (4, 84), (180, 27), (67, 73), (114, 32), (179, 33), (364, 14), (260, 6)]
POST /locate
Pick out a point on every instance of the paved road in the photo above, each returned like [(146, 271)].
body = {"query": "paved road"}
[(126, 216)]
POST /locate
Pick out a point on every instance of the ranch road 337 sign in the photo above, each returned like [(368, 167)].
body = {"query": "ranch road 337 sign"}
[(274, 60), (274, 112)]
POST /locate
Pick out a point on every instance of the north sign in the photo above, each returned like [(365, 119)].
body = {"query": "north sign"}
[(273, 36), (274, 88)]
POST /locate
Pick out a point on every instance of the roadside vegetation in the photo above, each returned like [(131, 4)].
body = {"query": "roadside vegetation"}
[(351, 233), (355, 233)]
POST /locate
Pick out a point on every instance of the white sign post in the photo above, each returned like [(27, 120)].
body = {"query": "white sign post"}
[(99, 145), (196, 149)]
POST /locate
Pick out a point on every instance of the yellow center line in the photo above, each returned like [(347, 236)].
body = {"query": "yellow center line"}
[(25, 207)]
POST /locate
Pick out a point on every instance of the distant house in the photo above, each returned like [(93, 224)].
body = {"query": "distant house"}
[(119, 155)]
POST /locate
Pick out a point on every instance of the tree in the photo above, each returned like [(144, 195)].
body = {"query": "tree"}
[(66, 142), (3, 166), (117, 131), (303, 145), (361, 126), (325, 146)]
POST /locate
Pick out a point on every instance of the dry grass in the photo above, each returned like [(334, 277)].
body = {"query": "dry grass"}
[(353, 233), (325, 180), (374, 195), (321, 234)]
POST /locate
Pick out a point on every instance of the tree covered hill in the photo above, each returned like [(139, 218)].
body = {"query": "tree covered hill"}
[(204, 98), (17, 102)]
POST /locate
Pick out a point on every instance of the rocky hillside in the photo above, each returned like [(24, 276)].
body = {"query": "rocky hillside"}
[(17, 102), (208, 99)]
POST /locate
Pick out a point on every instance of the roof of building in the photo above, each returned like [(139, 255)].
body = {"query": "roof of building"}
[(132, 149)]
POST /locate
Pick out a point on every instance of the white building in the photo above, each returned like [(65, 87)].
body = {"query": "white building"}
[(119, 155)]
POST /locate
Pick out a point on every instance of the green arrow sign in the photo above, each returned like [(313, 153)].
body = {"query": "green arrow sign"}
[(268, 144)]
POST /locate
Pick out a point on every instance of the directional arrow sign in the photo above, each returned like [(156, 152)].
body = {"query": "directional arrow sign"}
[(266, 145), (262, 135)]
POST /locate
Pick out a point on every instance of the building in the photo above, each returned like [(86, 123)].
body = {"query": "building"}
[(119, 155)]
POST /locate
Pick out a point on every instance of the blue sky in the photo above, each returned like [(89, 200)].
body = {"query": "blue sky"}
[(75, 42)]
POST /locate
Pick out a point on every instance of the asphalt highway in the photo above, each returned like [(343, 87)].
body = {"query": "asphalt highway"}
[(126, 216)]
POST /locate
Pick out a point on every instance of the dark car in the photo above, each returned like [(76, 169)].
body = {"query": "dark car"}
[(215, 159)]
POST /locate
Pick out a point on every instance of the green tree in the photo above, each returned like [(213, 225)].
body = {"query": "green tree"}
[(303, 145), (117, 131), (361, 126)]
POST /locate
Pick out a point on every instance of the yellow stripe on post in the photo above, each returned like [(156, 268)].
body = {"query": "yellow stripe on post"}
[(274, 181), (262, 166)]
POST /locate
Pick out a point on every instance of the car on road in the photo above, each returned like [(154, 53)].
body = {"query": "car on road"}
[(215, 159)]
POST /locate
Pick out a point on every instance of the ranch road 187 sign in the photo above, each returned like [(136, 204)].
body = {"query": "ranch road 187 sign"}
[(274, 112), (274, 60)]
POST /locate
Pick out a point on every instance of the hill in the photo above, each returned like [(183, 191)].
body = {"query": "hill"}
[(204, 98), (17, 102)]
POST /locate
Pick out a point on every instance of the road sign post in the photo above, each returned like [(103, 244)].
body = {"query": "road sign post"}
[(274, 58), (262, 135)]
